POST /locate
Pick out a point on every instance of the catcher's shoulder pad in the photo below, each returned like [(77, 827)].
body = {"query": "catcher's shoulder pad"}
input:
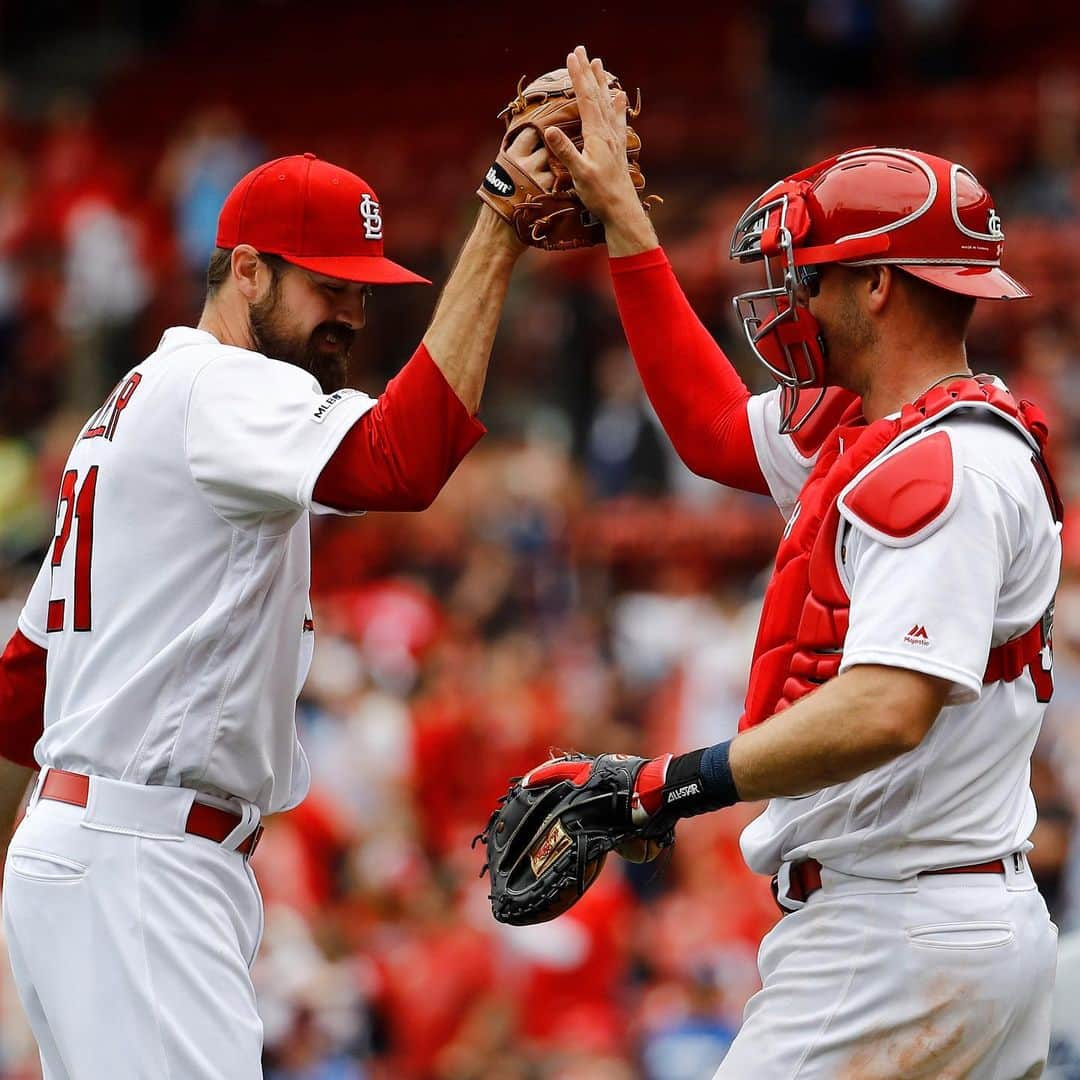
[(907, 494)]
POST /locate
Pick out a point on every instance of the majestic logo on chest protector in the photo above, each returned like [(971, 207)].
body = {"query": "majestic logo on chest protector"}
[(372, 215)]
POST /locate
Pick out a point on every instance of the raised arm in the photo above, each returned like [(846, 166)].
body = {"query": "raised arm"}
[(400, 454), (698, 395), (462, 330)]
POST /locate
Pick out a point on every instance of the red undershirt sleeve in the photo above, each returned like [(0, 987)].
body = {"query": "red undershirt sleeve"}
[(698, 395), (399, 454), (22, 699)]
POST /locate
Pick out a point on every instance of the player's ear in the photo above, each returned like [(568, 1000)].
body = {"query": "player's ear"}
[(879, 285), (245, 266)]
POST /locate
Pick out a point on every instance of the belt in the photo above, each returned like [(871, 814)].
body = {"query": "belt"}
[(805, 878), (209, 822)]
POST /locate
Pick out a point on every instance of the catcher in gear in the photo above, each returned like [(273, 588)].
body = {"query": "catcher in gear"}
[(903, 661), (552, 216)]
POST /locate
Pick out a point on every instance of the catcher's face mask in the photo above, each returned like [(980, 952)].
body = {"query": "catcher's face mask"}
[(782, 333), (868, 206)]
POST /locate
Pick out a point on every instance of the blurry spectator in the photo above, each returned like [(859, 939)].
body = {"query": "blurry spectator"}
[(314, 1010), (1061, 735), (21, 517), (89, 275), (573, 973), (1063, 1062), (302, 855), (1047, 373), (1049, 186), (435, 977), (933, 38), (814, 46), (485, 715), (1052, 834), (692, 1039), (390, 624), (356, 736), (198, 170), (18, 1051), (105, 289), (303, 1054), (8, 127), (12, 222), (623, 452)]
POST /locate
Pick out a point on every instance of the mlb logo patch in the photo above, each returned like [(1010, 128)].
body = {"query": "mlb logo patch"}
[(320, 414)]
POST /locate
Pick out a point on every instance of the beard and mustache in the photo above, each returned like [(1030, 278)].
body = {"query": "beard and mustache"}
[(324, 353)]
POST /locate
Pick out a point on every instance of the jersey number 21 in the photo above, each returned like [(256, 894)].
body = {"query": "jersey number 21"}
[(77, 505)]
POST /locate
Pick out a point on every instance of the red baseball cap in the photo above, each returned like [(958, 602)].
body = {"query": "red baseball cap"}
[(315, 215)]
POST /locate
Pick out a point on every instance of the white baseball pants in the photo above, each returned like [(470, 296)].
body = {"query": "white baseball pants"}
[(942, 977), (130, 940)]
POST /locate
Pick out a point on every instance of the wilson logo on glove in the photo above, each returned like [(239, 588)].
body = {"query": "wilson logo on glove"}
[(552, 217), (498, 180)]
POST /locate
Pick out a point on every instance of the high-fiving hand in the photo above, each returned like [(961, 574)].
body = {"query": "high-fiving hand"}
[(599, 167)]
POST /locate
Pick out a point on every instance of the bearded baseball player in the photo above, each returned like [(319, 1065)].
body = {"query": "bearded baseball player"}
[(169, 631), (903, 664)]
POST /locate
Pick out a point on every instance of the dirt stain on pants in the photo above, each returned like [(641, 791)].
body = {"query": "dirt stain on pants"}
[(953, 1036)]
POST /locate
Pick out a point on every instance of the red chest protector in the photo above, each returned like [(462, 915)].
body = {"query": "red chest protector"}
[(804, 620)]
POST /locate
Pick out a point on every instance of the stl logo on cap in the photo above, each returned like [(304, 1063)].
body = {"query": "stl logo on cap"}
[(305, 211), (372, 215)]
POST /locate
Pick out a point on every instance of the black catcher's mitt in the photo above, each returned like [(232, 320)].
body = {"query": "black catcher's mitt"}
[(551, 832)]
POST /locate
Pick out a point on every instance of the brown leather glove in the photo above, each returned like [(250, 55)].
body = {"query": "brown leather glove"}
[(555, 220)]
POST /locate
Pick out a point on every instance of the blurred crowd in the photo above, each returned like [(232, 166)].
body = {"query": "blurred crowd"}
[(573, 587)]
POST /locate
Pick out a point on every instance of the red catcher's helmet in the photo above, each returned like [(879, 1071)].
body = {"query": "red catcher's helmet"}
[(868, 206)]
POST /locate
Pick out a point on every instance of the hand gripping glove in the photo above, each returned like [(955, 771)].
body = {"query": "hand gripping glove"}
[(555, 220), (551, 832)]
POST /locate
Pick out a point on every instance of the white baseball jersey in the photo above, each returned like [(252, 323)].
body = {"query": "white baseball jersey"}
[(174, 598), (987, 574)]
